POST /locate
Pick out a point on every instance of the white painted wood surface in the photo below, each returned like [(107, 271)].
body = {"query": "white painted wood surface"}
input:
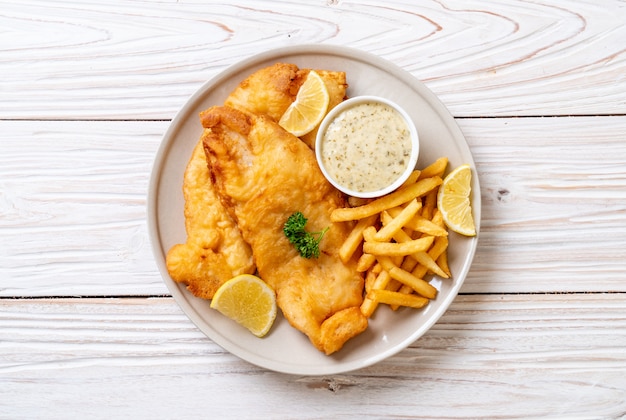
[(489, 356), (116, 59), (86, 324)]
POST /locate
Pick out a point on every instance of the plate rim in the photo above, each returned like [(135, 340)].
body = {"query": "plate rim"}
[(166, 144)]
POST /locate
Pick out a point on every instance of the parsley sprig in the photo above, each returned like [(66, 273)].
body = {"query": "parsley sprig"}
[(307, 243)]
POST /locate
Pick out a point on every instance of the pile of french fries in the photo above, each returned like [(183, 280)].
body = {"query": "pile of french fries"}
[(399, 239)]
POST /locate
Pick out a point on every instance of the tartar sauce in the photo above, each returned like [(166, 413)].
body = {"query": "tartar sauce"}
[(366, 147)]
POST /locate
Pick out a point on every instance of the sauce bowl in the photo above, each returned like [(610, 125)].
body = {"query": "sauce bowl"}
[(367, 146)]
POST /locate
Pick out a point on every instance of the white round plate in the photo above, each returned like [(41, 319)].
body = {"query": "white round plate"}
[(285, 349)]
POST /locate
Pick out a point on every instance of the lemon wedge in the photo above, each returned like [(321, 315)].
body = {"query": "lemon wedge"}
[(309, 107), (454, 203), (249, 301)]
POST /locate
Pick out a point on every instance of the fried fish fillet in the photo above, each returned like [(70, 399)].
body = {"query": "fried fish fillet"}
[(263, 174), (270, 91), (214, 251)]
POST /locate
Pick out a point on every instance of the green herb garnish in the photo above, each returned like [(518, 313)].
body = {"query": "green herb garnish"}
[(307, 243)]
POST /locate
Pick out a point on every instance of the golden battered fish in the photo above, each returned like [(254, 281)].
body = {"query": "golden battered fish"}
[(214, 251), (272, 89), (263, 174)]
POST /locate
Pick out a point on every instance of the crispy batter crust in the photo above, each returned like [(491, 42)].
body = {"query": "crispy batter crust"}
[(214, 251), (240, 192), (265, 174), (270, 90)]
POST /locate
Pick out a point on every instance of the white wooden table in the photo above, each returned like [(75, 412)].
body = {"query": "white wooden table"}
[(87, 326)]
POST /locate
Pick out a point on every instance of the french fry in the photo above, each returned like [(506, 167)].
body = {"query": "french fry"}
[(407, 290), (354, 239), (381, 281), (437, 168), (365, 262), (397, 259), (442, 262), (438, 219), (408, 264), (395, 224), (442, 245), (400, 196), (420, 286), (439, 246), (398, 249), (423, 225), (422, 257), (393, 285), (368, 234), (370, 278), (420, 224), (412, 179), (369, 306), (427, 261), (430, 201), (357, 201), (394, 298), (376, 269)]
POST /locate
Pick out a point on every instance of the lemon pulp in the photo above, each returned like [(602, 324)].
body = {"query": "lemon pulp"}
[(249, 301), (309, 107), (453, 200)]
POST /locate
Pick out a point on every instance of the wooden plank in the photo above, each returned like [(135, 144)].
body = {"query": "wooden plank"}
[(489, 356), (554, 204), (73, 205), (126, 60)]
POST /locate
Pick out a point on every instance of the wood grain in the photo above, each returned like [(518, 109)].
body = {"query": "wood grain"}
[(554, 204), (523, 356), (129, 60), (73, 208)]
